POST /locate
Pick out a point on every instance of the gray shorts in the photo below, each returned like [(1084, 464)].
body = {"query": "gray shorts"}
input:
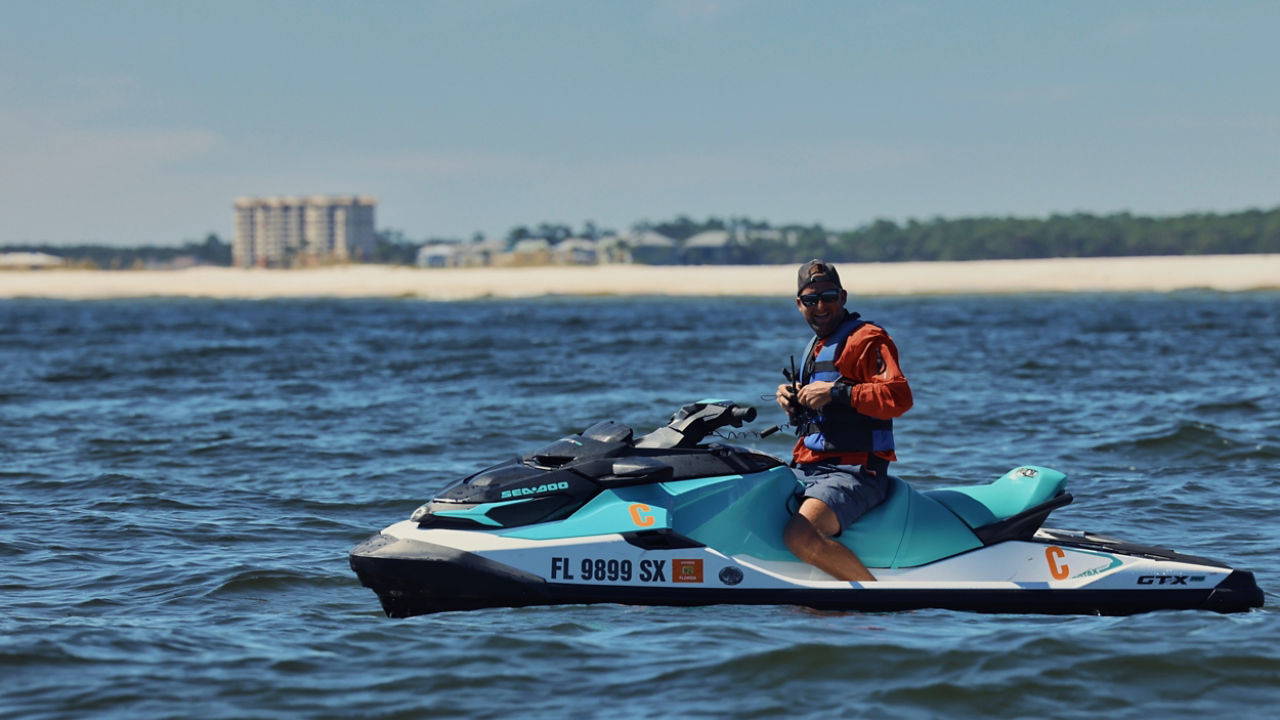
[(846, 489)]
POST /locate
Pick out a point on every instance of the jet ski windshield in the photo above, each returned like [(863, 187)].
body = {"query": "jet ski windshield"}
[(602, 440)]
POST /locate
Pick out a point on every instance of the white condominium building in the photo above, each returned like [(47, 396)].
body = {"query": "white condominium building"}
[(278, 231)]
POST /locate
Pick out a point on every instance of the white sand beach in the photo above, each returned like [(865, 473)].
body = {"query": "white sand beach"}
[(1160, 274)]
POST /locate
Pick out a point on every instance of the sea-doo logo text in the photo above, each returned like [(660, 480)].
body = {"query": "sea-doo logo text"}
[(1168, 579), (521, 492)]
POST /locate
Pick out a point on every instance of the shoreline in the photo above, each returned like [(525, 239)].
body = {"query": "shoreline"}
[(1225, 273)]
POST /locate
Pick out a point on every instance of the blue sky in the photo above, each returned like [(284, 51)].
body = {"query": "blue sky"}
[(141, 122)]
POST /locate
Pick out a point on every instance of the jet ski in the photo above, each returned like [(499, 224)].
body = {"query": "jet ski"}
[(681, 517)]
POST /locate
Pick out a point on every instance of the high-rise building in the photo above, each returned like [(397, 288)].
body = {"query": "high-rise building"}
[(281, 231)]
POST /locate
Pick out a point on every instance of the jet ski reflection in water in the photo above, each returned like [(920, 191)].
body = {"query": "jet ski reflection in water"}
[(668, 519)]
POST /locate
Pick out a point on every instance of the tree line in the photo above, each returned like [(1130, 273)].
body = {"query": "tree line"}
[(996, 238)]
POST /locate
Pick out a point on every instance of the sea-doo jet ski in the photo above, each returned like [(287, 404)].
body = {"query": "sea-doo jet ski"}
[(665, 519)]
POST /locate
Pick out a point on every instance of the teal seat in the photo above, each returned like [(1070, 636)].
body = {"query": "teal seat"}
[(1016, 491)]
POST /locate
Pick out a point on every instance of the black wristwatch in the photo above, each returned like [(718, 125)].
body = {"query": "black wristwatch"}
[(842, 391)]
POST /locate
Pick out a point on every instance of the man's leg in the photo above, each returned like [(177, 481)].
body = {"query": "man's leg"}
[(808, 536)]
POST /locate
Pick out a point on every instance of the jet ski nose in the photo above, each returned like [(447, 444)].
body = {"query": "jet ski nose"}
[(1238, 592)]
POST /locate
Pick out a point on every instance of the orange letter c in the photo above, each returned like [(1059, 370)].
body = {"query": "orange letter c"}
[(1053, 554), (640, 515)]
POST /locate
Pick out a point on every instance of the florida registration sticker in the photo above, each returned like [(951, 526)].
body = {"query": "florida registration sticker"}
[(686, 571)]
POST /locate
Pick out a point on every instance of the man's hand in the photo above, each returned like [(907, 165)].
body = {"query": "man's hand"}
[(786, 398), (815, 395)]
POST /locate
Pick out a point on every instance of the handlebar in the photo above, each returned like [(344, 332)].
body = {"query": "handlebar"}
[(695, 421)]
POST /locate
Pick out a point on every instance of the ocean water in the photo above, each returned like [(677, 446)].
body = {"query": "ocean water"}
[(181, 481)]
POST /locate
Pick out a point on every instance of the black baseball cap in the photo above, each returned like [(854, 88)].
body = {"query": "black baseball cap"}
[(816, 271)]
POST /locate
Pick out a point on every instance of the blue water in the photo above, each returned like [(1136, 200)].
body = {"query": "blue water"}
[(181, 480)]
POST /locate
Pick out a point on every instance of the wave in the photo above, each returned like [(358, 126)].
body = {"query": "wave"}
[(80, 374), (1183, 440), (255, 581)]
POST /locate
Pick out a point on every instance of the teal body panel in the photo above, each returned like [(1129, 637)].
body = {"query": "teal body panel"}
[(745, 515), (611, 511), (906, 530), (729, 511), (746, 519)]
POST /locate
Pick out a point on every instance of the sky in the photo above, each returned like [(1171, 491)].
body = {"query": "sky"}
[(140, 122)]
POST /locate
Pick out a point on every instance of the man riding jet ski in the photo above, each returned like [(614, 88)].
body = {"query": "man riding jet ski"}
[(843, 405), (666, 519)]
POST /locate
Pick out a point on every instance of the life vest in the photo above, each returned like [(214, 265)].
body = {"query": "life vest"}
[(839, 427)]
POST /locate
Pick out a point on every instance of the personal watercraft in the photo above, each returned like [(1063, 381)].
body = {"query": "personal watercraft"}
[(603, 516)]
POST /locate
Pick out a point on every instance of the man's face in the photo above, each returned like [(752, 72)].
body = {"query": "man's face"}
[(825, 315)]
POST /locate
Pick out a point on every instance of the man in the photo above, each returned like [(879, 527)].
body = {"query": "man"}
[(850, 390)]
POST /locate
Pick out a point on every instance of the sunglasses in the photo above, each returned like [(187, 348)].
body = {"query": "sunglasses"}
[(826, 296)]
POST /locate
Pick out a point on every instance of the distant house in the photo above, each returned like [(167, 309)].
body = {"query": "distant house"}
[(438, 255), (775, 235), (530, 246), (612, 249), (713, 247), (29, 261), (481, 253), (575, 251), (651, 248), (526, 252)]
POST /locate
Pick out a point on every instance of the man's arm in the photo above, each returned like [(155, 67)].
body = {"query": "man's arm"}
[(872, 382)]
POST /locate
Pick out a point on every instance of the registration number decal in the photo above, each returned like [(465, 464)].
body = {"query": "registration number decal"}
[(604, 570)]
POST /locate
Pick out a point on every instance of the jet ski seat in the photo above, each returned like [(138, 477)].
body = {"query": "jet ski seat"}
[(1011, 507), (1017, 490)]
